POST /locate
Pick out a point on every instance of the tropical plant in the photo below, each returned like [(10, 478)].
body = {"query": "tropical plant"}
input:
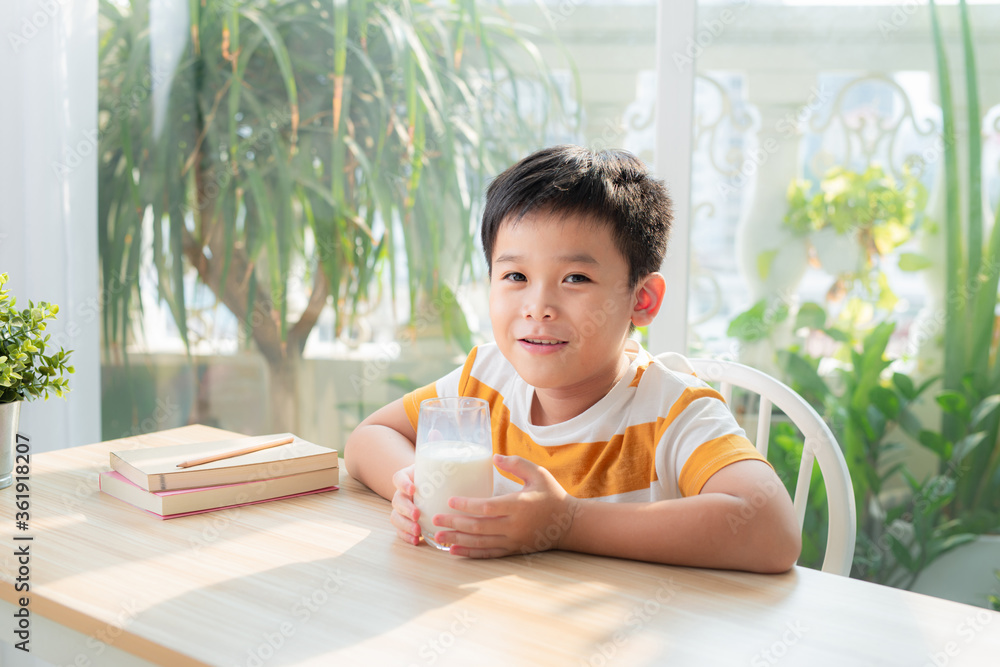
[(270, 142), (971, 372), (860, 399), (973, 420), (864, 217), (897, 539), (26, 372)]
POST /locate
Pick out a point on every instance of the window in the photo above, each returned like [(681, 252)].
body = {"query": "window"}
[(352, 270)]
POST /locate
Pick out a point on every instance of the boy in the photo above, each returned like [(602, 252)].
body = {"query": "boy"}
[(618, 455)]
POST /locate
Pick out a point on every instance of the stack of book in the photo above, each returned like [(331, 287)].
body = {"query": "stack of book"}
[(178, 480)]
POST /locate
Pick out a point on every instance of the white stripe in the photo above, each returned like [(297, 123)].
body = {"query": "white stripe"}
[(448, 385)]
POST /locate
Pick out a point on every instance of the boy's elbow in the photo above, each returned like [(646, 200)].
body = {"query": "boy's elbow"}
[(350, 450), (787, 554), (783, 551), (346, 454)]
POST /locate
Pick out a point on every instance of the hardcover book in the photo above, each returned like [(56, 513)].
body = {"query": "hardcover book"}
[(156, 468), (182, 502)]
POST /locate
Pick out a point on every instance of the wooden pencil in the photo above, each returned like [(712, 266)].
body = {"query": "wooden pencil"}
[(235, 452)]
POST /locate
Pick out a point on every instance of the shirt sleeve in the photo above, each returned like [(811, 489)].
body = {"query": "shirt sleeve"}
[(702, 437), (711, 457)]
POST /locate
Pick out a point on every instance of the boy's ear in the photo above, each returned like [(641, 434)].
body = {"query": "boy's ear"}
[(649, 295)]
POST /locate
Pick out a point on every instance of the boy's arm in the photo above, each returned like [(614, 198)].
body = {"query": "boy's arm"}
[(743, 519), (380, 446)]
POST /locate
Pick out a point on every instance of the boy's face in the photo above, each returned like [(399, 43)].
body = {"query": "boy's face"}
[(560, 303)]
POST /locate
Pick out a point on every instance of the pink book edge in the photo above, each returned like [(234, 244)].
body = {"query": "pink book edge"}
[(210, 509), (172, 492)]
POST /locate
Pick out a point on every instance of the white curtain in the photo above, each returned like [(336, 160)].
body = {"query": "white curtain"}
[(48, 196)]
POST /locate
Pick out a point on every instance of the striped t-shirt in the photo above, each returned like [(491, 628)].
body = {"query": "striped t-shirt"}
[(658, 434)]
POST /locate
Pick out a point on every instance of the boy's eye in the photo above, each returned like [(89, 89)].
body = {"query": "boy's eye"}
[(514, 276), (577, 278)]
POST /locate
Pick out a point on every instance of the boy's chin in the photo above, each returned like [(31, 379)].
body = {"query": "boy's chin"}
[(550, 379), (542, 380)]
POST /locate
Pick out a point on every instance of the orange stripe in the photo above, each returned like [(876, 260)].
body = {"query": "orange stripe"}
[(638, 375), (711, 457), (412, 402), (463, 382), (689, 396)]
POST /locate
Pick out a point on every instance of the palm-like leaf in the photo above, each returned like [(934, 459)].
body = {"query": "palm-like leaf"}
[(970, 363), (289, 125)]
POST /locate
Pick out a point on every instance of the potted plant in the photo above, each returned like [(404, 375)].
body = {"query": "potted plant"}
[(317, 144), (26, 372), (853, 222)]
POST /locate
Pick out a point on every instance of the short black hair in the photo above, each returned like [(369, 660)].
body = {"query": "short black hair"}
[(610, 187)]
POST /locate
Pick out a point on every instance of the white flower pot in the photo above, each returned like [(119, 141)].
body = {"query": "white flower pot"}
[(965, 574), (837, 253), (9, 415)]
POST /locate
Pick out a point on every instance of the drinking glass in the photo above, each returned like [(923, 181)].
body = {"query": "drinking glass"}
[(454, 457)]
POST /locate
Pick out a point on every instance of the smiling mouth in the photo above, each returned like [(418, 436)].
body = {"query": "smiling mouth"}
[(541, 341)]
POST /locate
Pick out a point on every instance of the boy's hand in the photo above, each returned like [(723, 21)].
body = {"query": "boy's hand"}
[(532, 519), (404, 512)]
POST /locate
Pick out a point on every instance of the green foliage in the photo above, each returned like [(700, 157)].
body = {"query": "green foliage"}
[(960, 455), (327, 143), (871, 204), (971, 380), (759, 321), (895, 543), (877, 214), (862, 401), (26, 372)]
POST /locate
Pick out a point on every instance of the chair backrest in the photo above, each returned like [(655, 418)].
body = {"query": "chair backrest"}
[(820, 446)]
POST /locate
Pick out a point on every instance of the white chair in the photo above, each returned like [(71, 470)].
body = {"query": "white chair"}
[(820, 446)]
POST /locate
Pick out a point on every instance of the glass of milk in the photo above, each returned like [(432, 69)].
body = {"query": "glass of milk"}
[(454, 457)]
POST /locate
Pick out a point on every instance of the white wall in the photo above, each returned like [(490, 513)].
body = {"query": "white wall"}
[(48, 196)]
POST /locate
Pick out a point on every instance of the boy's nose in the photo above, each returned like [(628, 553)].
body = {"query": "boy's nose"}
[(540, 306), (539, 313)]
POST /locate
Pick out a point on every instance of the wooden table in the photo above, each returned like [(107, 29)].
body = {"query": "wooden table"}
[(323, 580)]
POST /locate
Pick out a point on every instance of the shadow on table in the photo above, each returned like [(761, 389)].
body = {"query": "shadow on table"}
[(404, 598), (305, 611)]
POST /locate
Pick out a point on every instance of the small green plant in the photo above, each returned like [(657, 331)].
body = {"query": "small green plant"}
[(854, 221), (26, 372), (872, 204), (958, 455)]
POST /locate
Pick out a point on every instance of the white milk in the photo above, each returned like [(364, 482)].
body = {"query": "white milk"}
[(449, 468)]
